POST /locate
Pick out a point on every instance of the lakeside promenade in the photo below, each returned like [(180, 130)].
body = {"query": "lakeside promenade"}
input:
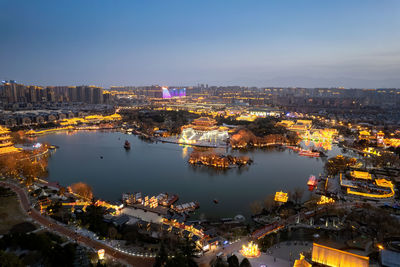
[(62, 230)]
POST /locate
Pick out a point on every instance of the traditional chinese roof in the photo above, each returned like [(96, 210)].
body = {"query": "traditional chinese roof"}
[(4, 130), (205, 121)]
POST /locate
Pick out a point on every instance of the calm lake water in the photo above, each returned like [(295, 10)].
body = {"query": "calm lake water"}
[(152, 168)]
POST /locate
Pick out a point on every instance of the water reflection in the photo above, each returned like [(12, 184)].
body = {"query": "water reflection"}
[(153, 168)]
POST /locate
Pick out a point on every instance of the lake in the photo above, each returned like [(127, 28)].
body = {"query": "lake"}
[(152, 168)]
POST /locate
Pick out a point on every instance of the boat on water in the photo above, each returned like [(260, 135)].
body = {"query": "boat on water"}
[(309, 153), (312, 182), (127, 145), (294, 148)]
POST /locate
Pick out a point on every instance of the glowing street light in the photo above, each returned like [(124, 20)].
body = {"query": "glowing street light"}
[(101, 253)]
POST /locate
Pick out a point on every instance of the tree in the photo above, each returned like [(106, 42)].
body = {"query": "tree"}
[(297, 195), (256, 207), (177, 260), (245, 263), (338, 164), (162, 256), (386, 159), (10, 260), (112, 232), (269, 203), (188, 251), (61, 192), (233, 261), (9, 166), (184, 256), (218, 262), (83, 190)]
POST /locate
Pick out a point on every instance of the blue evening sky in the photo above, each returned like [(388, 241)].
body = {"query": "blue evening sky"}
[(312, 43)]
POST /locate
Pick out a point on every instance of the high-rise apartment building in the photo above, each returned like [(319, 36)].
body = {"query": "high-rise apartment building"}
[(11, 92)]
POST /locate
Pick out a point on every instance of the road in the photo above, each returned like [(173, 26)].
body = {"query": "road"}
[(210, 255), (36, 216)]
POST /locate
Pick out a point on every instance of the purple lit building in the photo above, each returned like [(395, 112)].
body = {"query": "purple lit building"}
[(173, 92)]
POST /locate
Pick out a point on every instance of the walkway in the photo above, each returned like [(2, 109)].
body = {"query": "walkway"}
[(48, 223)]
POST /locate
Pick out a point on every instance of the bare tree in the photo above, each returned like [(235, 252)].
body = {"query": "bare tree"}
[(82, 189), (256, 207), (297, 195), (269, 203)]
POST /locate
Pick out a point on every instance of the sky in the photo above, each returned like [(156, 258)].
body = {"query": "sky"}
[(303, 43)]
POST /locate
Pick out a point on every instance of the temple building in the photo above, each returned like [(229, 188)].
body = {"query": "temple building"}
[(300, 126), (6, 144), (204, 129), (394, 142), (364, 135)]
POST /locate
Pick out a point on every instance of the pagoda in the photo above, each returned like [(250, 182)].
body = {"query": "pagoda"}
[(6, 144)]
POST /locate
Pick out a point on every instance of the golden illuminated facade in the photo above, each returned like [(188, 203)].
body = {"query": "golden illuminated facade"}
[(281, 197), (364, 135), (301, 126), (325, 200), (394, 142), (6, 144), (382, 188), (203, 129), (285, 123), (361, 175), (337, 258), (323, 135), (91, 119)]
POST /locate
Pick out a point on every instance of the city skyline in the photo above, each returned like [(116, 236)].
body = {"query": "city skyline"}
[(283, 44)]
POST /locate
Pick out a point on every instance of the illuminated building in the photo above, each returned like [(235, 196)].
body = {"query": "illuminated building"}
[(379, 138), (173, 92), (334, 257), (325, 200), (6, 144), (246, 118), (250, 251), (379, 188), (285, 123), (364, 135), (262, 113), (281, 197), (372, 151), (361, 175), (394, 142), (301, 126), (203, 129), (322, 135), (91, 119), (33, 133)]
